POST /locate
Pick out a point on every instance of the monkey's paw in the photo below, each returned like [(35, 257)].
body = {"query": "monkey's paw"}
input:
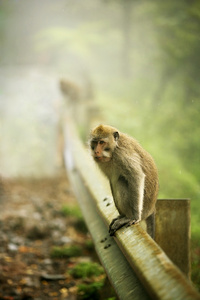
[(132, 222), (118, 223)]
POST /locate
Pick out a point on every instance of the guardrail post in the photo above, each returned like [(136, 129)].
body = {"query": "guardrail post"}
[(173, 231)]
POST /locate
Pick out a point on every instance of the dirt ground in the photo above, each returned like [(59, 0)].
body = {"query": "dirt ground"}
[(32, 223)]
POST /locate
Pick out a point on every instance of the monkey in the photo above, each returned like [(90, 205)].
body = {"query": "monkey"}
[(70, 89), (132, 175)]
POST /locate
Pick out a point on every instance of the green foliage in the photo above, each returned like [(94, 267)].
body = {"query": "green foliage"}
[(89, 270), (90, 291), (81, 226), (85, 269), (66, 252), (73, 211), (89, 245)]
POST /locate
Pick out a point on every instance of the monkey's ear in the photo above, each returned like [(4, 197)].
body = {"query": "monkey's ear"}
[(116, 135)]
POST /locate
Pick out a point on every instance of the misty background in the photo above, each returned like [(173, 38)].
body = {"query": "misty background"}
[(141, 59)]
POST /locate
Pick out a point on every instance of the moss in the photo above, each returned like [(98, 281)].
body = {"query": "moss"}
[(71, 211), (90, 291), (85, 269), (74, 211), (89, 245), (66, 252), (81, 226)]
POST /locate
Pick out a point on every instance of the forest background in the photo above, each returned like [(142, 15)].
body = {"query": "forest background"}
[(142, 58)]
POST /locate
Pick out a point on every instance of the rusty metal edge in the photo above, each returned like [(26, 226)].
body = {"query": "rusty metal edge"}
[(121, 275)]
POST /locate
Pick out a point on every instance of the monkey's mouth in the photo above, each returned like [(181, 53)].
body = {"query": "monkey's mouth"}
[(98, 158), (102, 159)]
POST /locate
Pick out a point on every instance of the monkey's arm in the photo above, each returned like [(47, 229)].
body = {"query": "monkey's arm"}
[(128, 194)]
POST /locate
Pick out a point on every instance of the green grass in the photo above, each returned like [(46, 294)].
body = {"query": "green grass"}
[(71, 211), (66, 252), (86, 269), (90, 290), (75, 212)]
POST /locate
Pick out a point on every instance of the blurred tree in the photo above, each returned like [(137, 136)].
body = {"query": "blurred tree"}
[(178, 28), (127, 7)]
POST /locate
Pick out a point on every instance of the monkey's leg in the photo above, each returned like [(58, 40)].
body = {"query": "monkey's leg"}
[(150, 221), (118, 223), (113, 221)]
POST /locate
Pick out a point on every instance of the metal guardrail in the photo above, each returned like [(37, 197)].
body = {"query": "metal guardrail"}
[(136, 266)]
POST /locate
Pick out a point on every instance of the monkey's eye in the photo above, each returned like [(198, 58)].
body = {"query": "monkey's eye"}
[(107, 149), (101, 142)]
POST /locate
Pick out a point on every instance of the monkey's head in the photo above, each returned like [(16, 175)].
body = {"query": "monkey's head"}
[(103, 141)]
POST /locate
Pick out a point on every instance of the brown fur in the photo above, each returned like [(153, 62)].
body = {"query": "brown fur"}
[(132, 174)]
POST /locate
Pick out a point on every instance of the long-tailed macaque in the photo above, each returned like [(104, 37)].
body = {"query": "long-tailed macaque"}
[(132, 174), (70, 89)]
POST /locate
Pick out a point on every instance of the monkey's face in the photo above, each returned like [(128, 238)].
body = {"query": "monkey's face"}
[(101, 151), (103, 142)]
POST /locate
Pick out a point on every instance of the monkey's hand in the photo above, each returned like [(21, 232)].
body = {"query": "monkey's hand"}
[(119, 222)]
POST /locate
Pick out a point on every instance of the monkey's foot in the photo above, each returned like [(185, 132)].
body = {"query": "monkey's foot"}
[(113, 221), (118, 223), (132, 222)]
